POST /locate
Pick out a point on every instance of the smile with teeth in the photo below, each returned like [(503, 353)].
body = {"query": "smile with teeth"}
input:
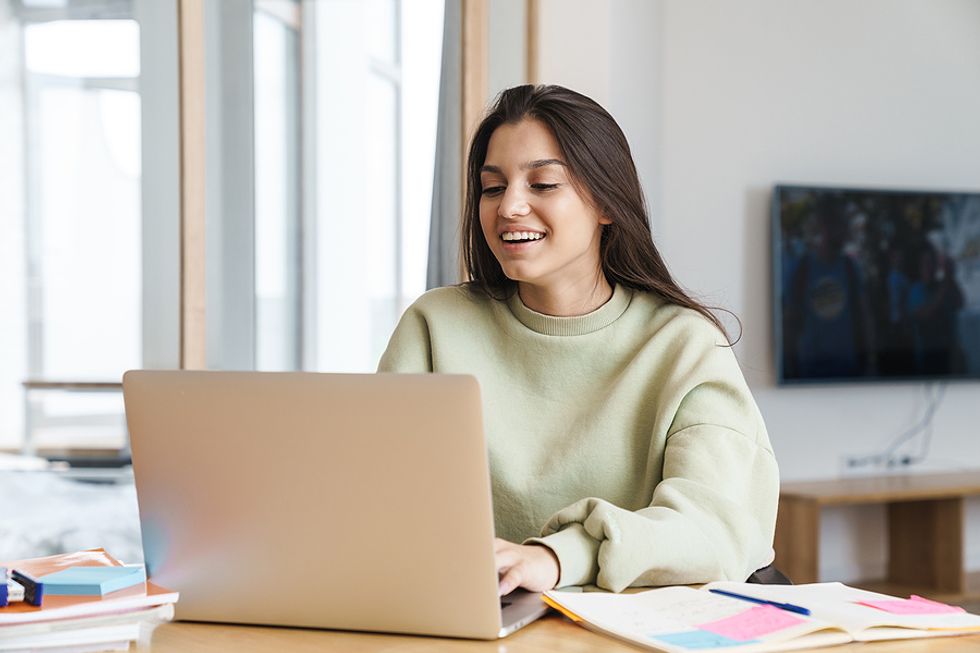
[(520, 236)]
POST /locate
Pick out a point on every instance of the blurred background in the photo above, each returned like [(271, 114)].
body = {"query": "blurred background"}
[(267, 184)]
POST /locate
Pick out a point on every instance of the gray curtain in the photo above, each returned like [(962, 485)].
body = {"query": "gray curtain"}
[(443, 265)]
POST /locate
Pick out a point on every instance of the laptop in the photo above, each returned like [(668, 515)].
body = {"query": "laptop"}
[(343, 501)]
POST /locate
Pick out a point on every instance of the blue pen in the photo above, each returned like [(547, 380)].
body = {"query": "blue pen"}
[(782, 606), (3, 587)]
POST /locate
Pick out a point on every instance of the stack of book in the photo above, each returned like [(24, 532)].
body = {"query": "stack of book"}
[(85, 601)]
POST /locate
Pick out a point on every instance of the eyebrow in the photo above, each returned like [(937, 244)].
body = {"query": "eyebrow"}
[(530, 165)]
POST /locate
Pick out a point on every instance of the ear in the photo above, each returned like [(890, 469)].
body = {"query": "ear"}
[(604, 220)]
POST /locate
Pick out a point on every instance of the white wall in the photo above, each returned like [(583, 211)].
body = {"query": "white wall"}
[(720, 100), (609, 50), (507, 44)]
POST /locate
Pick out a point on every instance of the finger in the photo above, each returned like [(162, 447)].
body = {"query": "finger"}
[(510, 581)]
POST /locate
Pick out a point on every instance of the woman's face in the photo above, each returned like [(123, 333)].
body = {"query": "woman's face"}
[(542, 231)]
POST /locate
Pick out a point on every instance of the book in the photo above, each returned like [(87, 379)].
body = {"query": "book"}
[(94, 581), (73, 638), (84, 622), (141, 595), (681, 619), (155, 614)]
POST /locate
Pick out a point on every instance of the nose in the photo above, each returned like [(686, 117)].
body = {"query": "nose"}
[(513, 204)]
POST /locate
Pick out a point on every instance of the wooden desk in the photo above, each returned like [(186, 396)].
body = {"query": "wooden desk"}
[(925, 530), (552, 634)]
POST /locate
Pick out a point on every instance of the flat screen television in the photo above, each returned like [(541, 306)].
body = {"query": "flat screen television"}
[(875, 285)]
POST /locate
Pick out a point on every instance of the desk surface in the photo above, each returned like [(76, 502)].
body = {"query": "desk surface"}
[(550, 634)]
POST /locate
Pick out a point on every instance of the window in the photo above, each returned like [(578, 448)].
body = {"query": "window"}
[(73, 299), (321, 139), (340, 123), (278, 249), (376, 87)]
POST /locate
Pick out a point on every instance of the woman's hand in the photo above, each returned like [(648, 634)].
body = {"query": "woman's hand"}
[(531, 566)]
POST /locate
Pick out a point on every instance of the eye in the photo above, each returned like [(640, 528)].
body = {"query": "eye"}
[(492, 190), (544, 186)]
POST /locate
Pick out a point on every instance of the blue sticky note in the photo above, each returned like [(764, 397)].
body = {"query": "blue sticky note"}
[(91, 581), (699, 639)]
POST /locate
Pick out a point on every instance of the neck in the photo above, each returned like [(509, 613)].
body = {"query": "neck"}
[(566, 300)]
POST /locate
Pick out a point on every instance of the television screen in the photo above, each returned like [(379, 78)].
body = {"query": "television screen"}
[(875, 284)]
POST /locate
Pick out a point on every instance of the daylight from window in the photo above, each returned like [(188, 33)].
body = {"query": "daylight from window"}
[(73, 302)]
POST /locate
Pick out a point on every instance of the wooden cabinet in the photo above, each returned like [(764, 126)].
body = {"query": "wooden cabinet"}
[(925, 516)]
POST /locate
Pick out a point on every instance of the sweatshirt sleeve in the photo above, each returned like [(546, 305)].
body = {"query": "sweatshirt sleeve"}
[(711, 517), (410, 348)]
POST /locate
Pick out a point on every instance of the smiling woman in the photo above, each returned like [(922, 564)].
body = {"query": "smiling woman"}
[(596, 164), (625, 447), (552, 249)]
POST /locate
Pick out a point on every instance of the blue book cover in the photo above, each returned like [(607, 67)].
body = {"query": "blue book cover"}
[(91, 581)]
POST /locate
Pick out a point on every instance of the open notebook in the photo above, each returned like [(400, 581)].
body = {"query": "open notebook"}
[(680, 619)]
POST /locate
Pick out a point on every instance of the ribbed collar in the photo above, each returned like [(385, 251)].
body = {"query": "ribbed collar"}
[(578, 325)]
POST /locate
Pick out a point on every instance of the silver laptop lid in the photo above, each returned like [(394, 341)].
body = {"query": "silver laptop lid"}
[(323, 500)]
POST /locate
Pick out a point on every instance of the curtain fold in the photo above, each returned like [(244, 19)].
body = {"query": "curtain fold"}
[(443, 262)]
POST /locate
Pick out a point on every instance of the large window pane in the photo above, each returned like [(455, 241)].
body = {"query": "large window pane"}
[(83, 48), (89, 258), (421, 57), (13, 265), (72, 87), (379, 228), (382, 30), (277, 247), (327, 109), (376, 83), (86, 250)]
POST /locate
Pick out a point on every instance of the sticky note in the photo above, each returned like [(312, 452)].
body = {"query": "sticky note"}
[(91, 581), (753, 623), (913, 605), (936, 605), (697, 639)]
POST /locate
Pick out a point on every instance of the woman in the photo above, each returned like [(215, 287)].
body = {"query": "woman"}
[(625, 448)]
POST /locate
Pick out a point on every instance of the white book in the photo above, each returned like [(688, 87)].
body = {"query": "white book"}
[(103, 632), (81, 638), (151, 615), (95, 647)]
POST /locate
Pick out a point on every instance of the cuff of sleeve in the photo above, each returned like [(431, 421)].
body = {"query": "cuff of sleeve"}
[(577, 553)]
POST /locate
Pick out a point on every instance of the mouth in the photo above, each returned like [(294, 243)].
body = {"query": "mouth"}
[(514, 239)]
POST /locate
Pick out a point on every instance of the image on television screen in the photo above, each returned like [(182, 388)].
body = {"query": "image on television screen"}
[(875, 284)]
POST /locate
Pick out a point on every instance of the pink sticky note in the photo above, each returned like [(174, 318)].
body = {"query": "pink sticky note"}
[(913, 605), (936, 604), (752, 623)]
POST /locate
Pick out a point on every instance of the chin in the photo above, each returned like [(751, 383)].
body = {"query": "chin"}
[(518, 276)]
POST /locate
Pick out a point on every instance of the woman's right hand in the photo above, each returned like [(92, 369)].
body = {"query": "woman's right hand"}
[(534, 567)]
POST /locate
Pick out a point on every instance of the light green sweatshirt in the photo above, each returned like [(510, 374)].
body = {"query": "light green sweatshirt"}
[(626, 439)]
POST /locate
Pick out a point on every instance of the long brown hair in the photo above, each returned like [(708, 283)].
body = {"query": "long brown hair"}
[(600, 162)]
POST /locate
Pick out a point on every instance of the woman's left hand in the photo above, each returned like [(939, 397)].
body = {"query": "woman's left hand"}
[(531, 566)]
